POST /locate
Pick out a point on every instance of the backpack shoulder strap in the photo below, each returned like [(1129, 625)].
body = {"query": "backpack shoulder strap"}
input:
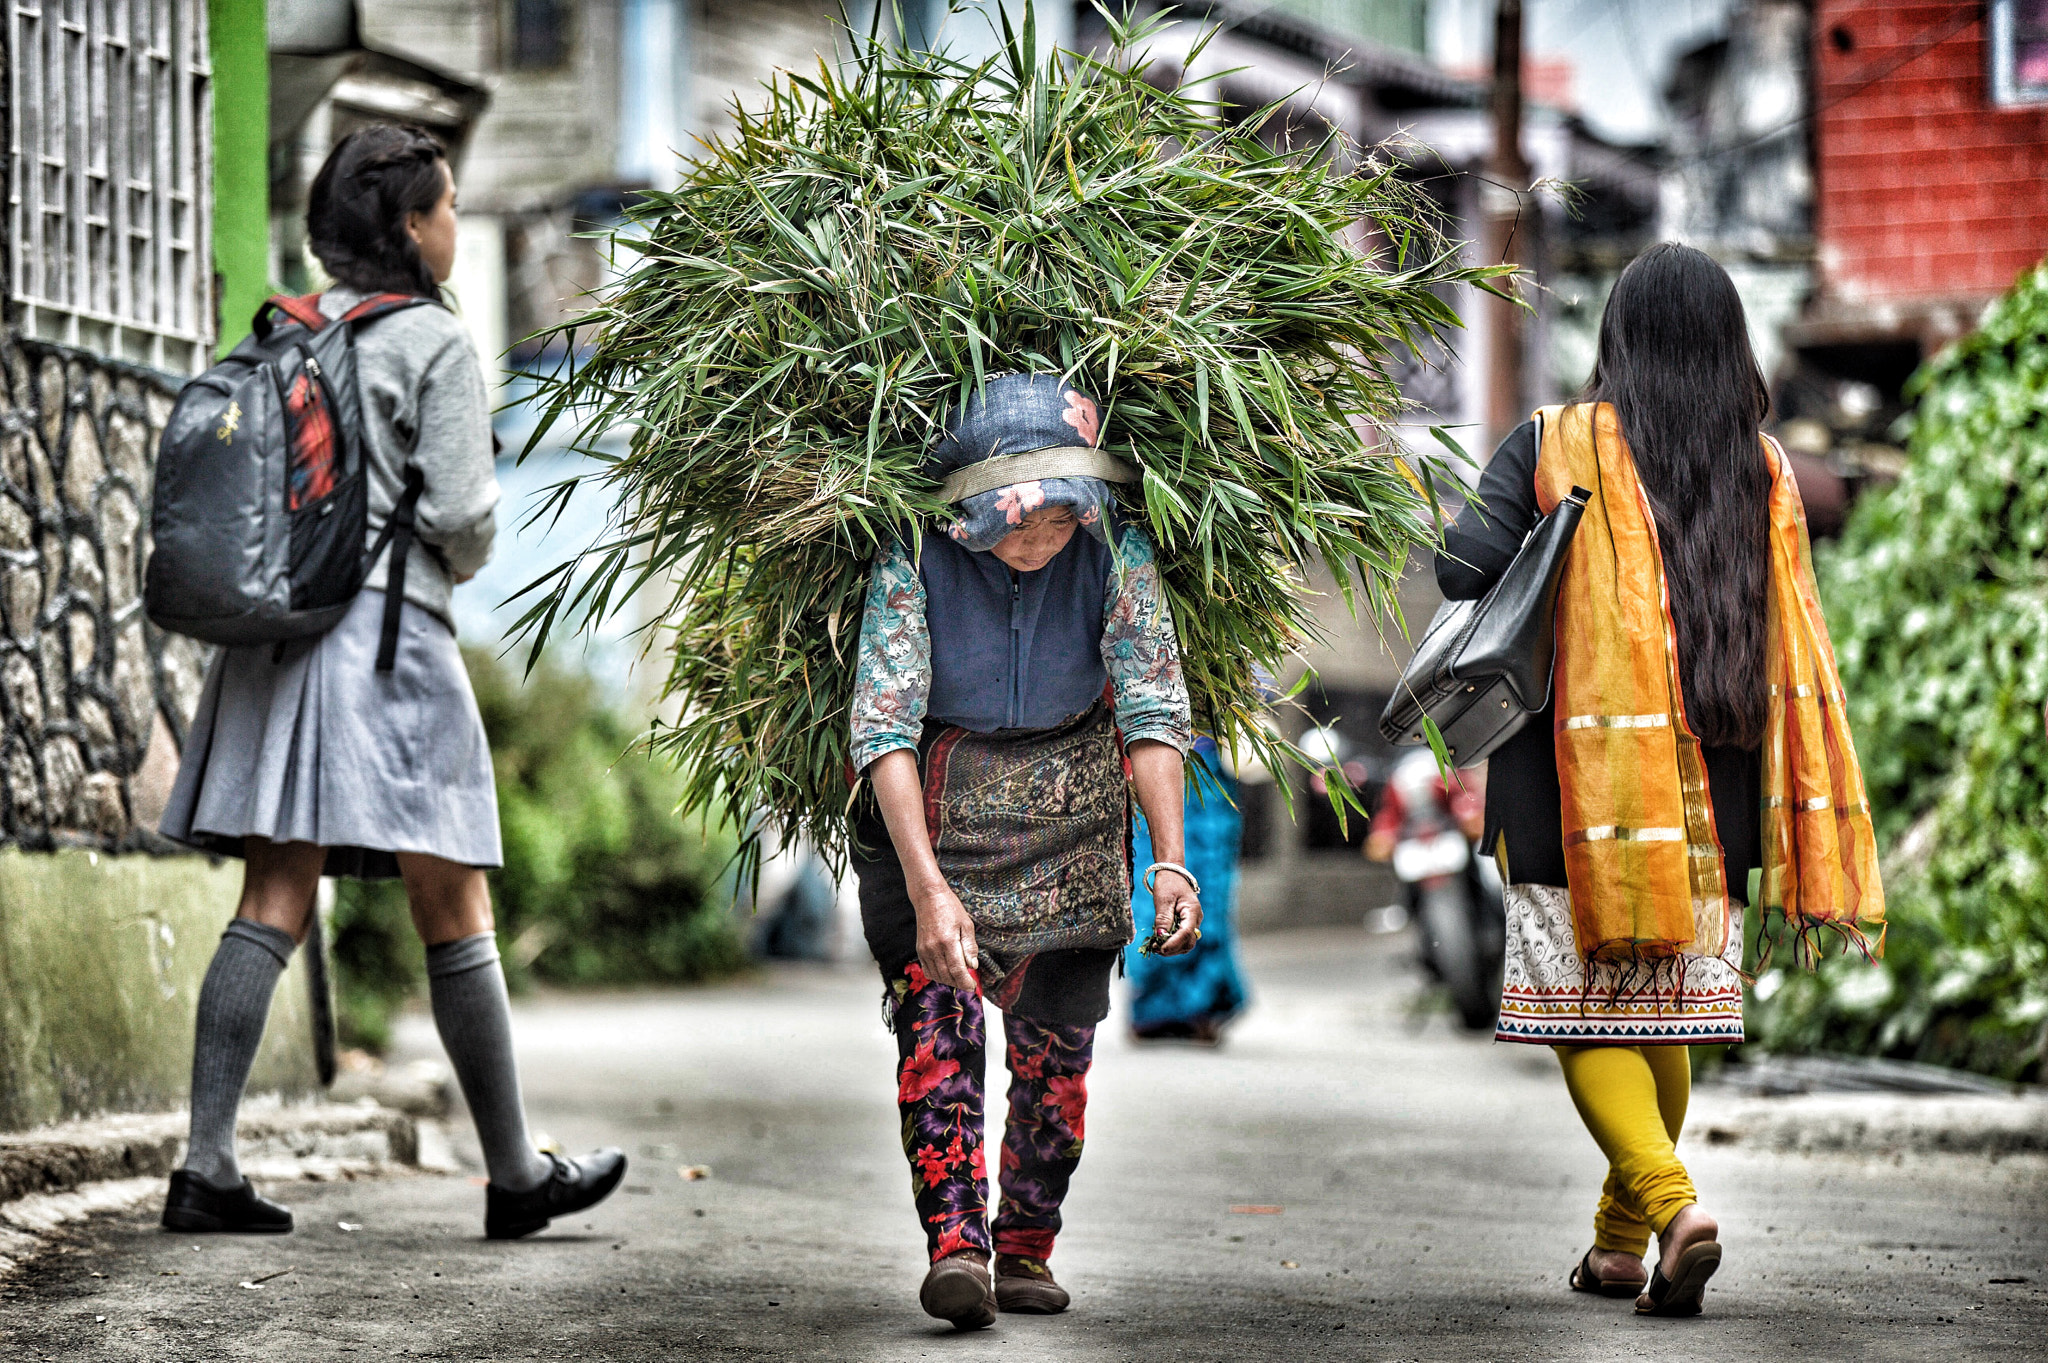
[(305, 311), (377, 305), (398, 534)]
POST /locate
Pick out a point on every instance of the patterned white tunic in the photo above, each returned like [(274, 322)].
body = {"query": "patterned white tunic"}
[(1547, 999)]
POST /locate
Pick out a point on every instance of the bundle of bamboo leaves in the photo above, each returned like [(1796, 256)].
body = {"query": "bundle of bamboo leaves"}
[(794, 322)]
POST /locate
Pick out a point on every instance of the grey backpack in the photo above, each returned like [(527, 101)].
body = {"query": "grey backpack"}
[(262, 496)]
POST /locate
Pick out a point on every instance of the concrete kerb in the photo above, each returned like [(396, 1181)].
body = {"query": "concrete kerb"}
[(1875, 1124), (63, 1173)]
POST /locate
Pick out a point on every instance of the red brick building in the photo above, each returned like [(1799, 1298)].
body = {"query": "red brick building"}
[(1930, 144)]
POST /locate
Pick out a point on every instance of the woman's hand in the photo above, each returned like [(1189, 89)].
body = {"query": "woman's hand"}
[(1177, 914), (945, 940), (1156, 775)]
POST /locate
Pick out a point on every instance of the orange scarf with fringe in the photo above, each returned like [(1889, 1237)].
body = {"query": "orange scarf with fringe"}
[(1641, 854)]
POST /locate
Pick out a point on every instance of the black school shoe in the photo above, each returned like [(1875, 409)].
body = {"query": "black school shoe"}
[(196, 1205), (574, 1185)]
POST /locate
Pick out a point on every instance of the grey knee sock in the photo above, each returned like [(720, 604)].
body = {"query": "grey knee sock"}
[(234, 1003), (475, 1021)]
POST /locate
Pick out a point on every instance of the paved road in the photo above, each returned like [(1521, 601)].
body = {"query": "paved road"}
[(1435, 1189)]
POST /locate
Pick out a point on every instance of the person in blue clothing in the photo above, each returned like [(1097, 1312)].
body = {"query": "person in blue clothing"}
[(1192, 997)]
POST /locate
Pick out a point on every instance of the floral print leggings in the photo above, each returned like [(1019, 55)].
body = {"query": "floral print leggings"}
[(939, 1088)]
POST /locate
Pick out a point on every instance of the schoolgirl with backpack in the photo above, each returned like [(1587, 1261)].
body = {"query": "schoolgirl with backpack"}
[(319, 494)]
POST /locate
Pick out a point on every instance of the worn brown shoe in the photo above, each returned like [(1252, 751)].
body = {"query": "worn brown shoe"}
[(1026, 1285), (957, 1290)]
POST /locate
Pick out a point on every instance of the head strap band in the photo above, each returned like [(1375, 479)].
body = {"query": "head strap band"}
[(1057, 461)]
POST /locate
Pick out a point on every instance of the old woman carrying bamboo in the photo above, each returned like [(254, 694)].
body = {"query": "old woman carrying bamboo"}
[(1018, 678)]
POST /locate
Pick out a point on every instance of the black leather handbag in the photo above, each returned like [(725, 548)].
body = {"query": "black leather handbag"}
[(1483, 667)]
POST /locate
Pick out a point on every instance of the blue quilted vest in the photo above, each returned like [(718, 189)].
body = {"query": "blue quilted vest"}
[(1014, 650)]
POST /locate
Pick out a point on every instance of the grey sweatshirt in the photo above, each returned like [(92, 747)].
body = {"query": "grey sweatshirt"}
[(425, 404)]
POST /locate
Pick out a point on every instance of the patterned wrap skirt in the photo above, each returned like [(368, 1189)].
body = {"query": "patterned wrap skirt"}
[(1550, 997), (311, 743), (1032, 828)]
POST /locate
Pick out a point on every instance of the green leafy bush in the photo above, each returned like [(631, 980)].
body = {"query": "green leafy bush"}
[(603, 883), (1939, 601), (378, 962)]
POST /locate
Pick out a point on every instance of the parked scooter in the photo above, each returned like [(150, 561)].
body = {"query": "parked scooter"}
[(1428, 830)]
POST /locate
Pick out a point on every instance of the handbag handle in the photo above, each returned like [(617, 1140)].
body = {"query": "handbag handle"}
[(1483, 667)]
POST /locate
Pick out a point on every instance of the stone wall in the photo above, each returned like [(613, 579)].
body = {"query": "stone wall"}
[(94, 699), (101, 957)]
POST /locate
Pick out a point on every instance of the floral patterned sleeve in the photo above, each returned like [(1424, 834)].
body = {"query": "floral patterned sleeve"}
[(893, 669), (1139, 650)]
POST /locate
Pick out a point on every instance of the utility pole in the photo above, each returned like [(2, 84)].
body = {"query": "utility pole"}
[(1509, 220)]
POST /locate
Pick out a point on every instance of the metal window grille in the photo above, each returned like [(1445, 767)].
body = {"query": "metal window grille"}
[(112, 144)]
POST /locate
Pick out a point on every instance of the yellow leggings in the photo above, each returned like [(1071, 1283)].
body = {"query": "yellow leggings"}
[(1632, 1098)]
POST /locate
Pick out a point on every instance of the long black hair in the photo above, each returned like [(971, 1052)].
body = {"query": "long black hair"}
[(355, 217), (1676, 362)]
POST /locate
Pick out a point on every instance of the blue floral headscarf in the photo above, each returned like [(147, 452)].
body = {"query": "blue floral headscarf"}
[(1042, 429), (986, 517)]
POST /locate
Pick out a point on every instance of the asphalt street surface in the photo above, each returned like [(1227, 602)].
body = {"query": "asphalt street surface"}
[(1340, 1181)]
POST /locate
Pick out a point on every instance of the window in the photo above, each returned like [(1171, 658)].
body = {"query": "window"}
[(108, 208), (2019, 51), (539, 35)]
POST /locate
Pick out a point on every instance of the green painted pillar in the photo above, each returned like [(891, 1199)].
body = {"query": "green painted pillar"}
[(239, 31)]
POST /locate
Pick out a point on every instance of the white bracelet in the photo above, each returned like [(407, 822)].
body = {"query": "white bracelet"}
[(1156, 867)]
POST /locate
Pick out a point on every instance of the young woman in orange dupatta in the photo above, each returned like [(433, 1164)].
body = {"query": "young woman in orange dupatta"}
[(1695, 736)]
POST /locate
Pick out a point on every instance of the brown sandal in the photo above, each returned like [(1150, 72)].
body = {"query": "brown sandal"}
[(957, 1290), (1026, 1285), (1584, 1279)]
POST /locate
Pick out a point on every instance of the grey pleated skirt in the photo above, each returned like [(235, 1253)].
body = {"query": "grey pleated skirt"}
[(318, 746)]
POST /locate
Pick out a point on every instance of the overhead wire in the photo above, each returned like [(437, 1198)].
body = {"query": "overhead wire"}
[(1930, 38)]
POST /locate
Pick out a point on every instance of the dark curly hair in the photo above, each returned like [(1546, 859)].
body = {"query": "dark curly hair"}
[(355, 219), (1676, 362)]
